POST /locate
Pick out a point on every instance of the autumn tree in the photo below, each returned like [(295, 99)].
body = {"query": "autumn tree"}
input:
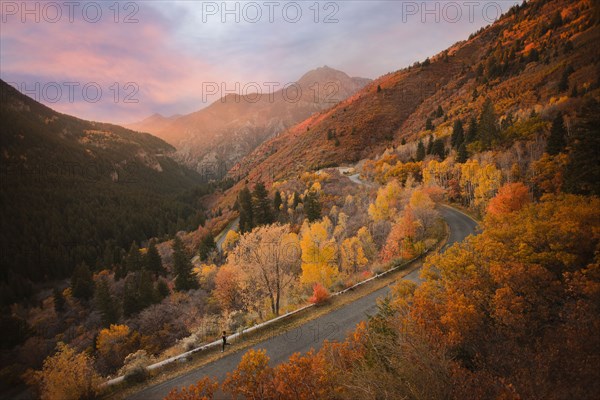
[(252, 379), (305, 377), (182, 266), (319, 254), (269, 255), (352, 255), (230, 241), (511, 197), (114, 344), (400, 242), (67, 375), (204, 389), (387, 202), (227, 287)]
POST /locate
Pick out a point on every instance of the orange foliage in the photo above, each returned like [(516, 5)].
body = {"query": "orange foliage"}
[(252, 379), (511, 197), (204, 389), (320, 294), (399, 241)]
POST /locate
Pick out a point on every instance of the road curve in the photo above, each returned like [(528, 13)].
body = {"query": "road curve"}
[(332, 326)]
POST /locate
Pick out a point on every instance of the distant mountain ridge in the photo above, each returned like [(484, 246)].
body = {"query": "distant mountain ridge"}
[(221, 134)]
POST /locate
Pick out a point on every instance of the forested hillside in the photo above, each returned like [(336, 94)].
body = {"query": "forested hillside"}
[(75, 191)]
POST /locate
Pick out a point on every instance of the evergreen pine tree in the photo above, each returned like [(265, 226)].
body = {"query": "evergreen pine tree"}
[(439, 149), (59, 300), (207, 244), (146, 294), (462, 156), (428, 124), (420, 151), (582, 174), (458, 134), (184, 279), (131, 302), (556, 141), (162, 289), (262, 205), (296, 201), (276, 201), (153, 261), (487, 127), (563, 84), (245, 210), (439, 112), (106, 304), (312, 206), (134, 261), (82, 283)]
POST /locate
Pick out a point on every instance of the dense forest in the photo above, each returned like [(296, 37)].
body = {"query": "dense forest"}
[(76, 191)]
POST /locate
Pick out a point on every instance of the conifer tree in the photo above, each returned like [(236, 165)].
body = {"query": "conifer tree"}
[(245, 210), (106, 303), (153, 261), (458, 134), (262, 205), (134, 261), (59, 300), (82, 283), (420, 151), (184, 279), (312, 206), (488, 132), (462, 156), (207, 244), (556, 141)]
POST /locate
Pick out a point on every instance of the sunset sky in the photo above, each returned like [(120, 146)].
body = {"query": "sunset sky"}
[(169, 49)]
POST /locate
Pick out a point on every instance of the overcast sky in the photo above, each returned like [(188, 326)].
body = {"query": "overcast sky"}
[(163, 56)]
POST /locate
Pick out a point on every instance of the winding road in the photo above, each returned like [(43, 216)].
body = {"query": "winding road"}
[(332, 326)]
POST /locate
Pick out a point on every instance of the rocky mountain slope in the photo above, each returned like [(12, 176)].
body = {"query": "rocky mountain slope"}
[(535, 58), (213, 139)]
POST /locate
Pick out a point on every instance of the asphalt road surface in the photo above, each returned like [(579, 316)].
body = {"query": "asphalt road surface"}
[(332, 326)]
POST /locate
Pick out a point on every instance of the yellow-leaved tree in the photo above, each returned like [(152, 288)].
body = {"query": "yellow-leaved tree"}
[(269, 257), (319, 254), (115, 343), (387, 202), (352, 255), (67, 375)]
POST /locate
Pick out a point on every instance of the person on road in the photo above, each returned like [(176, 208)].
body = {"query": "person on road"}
[(224, 341)]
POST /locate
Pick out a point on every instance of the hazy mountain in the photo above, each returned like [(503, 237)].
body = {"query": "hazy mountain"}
[(213, 139)]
